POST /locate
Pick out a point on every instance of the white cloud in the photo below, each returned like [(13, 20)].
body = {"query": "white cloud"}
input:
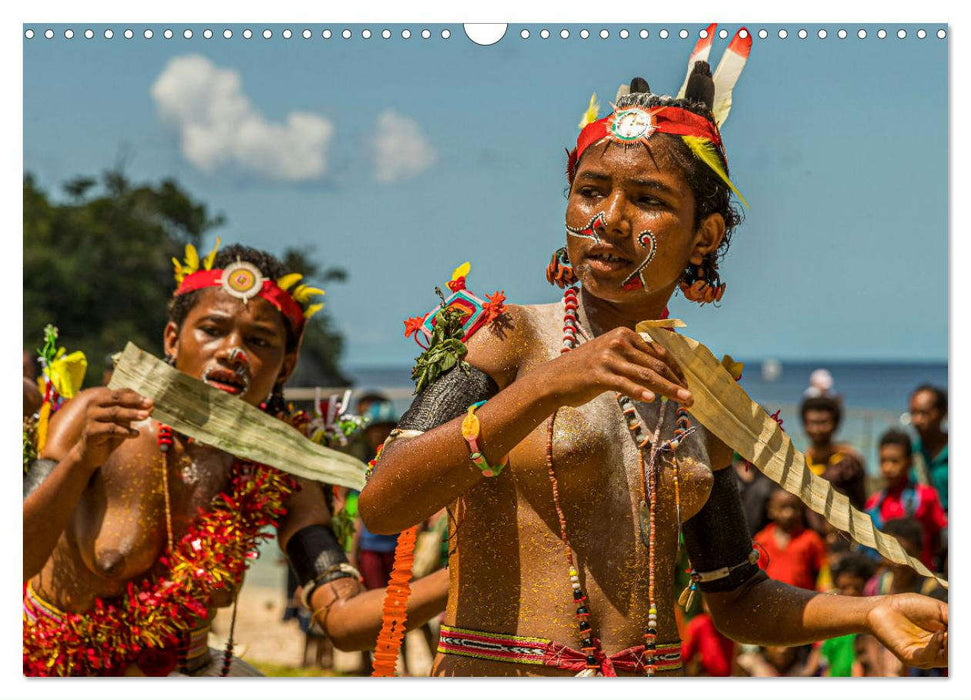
[(220, 127), (400, 149)]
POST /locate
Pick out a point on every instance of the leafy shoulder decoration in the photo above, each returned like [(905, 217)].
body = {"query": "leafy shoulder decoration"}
[(446, 328)]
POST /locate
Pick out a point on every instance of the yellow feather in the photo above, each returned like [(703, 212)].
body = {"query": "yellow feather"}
[(311, 310), (207, 263), (705, 150), (461, 271), (303, 293), (593, 109), (288, 281), (191, 258), (178, 270)]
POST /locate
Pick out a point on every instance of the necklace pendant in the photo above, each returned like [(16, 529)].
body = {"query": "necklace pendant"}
[(644, 517), (190, 473)]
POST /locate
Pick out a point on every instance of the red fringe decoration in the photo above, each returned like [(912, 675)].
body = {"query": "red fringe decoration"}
[(150, 616), (395, 606)]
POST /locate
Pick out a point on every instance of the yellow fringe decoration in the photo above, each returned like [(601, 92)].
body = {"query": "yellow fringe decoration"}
[(207, 263), (288, 281), (311, 310), (42, 421)]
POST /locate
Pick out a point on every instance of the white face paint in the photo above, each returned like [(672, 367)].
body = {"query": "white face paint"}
[(597, 223), (636, 278)]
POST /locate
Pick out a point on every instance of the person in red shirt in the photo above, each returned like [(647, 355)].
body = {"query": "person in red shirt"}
[(714, 651), (794, 553), (902, 498)]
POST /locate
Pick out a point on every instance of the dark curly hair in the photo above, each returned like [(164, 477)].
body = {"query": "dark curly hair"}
[(855, 564), (940, 395), (822, 403), (899, 438), (907, 529), (268, 265), (711, 194)]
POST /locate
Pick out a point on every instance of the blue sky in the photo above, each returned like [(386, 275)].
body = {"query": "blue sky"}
[(840, 147)]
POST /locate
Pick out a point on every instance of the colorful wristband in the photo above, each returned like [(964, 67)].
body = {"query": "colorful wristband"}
[(470, 431)]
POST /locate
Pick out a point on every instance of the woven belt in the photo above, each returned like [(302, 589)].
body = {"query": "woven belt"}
[(544, 652)]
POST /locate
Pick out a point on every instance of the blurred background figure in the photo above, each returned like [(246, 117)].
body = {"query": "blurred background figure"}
[(820, 384), (901, 497), (835, 657), (838, 463), (705, 651), (754, 487), (32, 397), (792, 552), (928, 411), (373, 554), (770, 662), (873, 657)]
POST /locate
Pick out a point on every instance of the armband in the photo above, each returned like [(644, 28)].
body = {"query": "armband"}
[(317, 558), (38, 470), (717, 539), (447, 398)]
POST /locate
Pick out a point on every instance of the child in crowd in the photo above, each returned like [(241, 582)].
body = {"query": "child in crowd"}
[(835, 657), (706, 651), (897, 578), (902, 498), (792, 553)]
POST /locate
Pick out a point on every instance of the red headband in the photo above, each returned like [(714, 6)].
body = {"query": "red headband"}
[(636, 124), (244, 281)]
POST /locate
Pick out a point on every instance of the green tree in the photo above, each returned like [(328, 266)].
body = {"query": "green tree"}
[(99, 267)]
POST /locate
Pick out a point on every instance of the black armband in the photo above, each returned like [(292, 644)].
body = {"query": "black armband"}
[(717, 539), (38, 470), (447, 398), (315, 555)]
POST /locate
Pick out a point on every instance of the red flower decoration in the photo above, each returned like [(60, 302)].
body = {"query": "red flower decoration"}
[(413, 325), (457, 284), (495, 307)]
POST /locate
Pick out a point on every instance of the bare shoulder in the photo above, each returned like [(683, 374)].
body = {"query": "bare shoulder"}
[(501, 347)]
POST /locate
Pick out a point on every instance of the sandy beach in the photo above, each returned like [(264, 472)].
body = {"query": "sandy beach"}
[(278, 648)]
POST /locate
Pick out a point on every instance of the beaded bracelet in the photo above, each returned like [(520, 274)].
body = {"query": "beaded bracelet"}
[(470, 431)]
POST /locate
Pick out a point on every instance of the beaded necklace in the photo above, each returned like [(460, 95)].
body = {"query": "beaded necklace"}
[(650, 480)]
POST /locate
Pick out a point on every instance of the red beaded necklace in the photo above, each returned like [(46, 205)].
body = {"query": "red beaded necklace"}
[(650, 480)]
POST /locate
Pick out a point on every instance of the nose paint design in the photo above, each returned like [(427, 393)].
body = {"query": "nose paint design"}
[(597, 223), (636, 278), (238, 356)]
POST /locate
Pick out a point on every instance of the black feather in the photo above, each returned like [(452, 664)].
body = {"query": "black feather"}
[(639, 85), (701, 87)]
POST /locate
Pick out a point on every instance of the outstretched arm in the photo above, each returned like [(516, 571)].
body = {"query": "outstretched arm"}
[(766, 612), (749, 607)]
